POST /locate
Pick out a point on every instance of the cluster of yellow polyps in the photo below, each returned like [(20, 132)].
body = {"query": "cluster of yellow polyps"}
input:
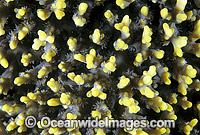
[(178, 43), (78, 79), (90, 59), (157, 104), (184, 74), (97, 37), (123, 82), (72, 43), (179, 9), (120, 45), (164, 74), (145, 81), (96, 91), (131, 103), (146, 36), (78, 18), (189, 126), (26, 58), (44, 71), (22, 79), (57, 7), (43, 38), (124, 27), (54, 85), (184, 103), (110, 65), (110, 17), (20, 12)]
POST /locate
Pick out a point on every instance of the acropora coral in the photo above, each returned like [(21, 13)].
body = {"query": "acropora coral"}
[(121, 59)]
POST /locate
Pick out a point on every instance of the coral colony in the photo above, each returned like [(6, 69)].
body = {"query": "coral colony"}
[(122, 59)]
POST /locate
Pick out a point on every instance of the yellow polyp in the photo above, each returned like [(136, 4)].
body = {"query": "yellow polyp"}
[(82, 8), (181, 17), (11, 126), (42, 35), (126, 20), (54, 102), (102, 96), (72, 42), (89, 94), (108, 14), (50, 39), (41, 73), (123, 82), (60, 4), (43, 14), (64, 98), (32, 96), (96, 114), (22, 33), (164, 13), (146, 39), (120, 44), (54, 85), (182, 88), (140, 132), (147, 80), (79, 21), (139, 58), (118, 26), (7, 108), (20, 122), (126, 101), (159, 54), (187, 80), (193, 122), (21, 12), (109, 66), (180, 5), (165, 77), (2, 32), (71, 75), (4, 62), (71, 116), (37, 44), (168, 32), (19, 81), (25, 99), (79, 80), (112, 59), (144, 10), (96, 36), (163, 106), (80, 57), (147, 92), (133, 109), (95, 92), (187, 129), (125, 29), (13, 44), (190, 71), (59, 14)]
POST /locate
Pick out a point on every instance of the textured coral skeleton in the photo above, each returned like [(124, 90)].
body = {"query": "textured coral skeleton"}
[(121, 59)]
